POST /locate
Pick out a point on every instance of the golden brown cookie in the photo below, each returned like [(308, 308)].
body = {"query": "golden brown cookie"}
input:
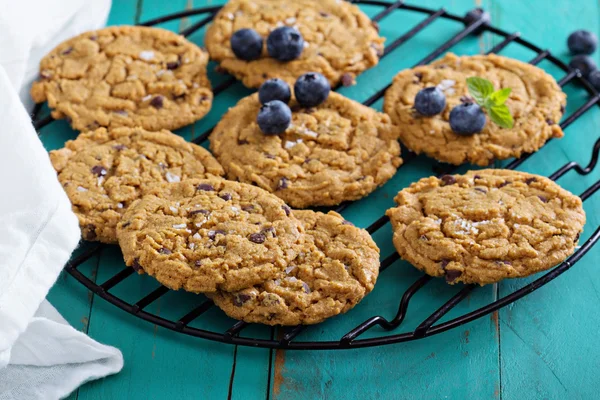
[(125, 76), (103, 172), (340, 41), (536, 103), (204, 235), (340, 150), (486, 225), (337, 266)]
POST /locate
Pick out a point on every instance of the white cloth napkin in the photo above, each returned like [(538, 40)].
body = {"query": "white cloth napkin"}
[(41, 356)]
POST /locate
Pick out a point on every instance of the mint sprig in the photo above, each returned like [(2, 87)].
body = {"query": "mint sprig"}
[(493, 101)]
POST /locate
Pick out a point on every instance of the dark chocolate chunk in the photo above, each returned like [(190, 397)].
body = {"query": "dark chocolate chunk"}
[(89, 232), (452, 275), (257, 238), (549, 121), (195, 212), (240, 298), (287, 210), (66, 51), (505, 183), (247, 207), (98, 170), (213, 234), (448, 180), (174, 64), (482, 190), (206, 187), (225, 196), (164, 250), (136, 265), (529, 181), (543, 198), (347, 79), (157, 102), (283, 183), (346, 222)]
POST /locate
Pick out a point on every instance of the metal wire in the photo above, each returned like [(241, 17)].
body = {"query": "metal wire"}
[(351, 339)]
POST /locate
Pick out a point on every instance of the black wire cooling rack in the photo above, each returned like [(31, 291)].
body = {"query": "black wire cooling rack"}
[(351, 339)]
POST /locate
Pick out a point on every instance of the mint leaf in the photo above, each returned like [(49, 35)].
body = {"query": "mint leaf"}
[(499, 97), (479, 89), (500, 115)]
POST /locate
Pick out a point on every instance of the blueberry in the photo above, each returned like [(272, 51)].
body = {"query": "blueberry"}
[(274, 89), (311, 89), (582, 42), (594, 78), (246, 44), (274, 117), (475, 15), (584, 64), (430, 101), (467, 119), (285, 43)]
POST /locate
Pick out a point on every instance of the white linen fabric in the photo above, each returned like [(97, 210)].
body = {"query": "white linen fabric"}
[(41, 356)]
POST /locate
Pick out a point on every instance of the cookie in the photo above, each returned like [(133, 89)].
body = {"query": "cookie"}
[(103, 172), (125, 76), (204, 235), (486, 225), (337, 266), (340, 150), (340, 41), (536, 103)]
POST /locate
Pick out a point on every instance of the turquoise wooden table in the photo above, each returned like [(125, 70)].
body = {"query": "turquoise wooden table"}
[(543, 346)]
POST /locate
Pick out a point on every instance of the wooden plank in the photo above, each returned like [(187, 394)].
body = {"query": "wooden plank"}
[(462, 363), (546, 338)]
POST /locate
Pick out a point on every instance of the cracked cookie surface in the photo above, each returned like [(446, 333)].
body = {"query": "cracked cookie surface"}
[(125, 76), (536, 103), (336, 267), (340, 41), (486, 225), (204, 235), (103, 172), (338, 151)]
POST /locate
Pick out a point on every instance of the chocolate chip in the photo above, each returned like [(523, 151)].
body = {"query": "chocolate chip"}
[(269, 230), (423, 237), (283, 183), (375, 25), (225, 196), (347, 79), (287, 210), (248, 207), (323, 14), (448, 180), (126, 224), (549, 121), (562, 109), (503, 262), (477, 177), (206, 187), (93, 37), (444, 263), (307, 160), (98, 170), (92, 126), (203, 98), (197, 263), (136, 265), (577, 237), (174, 64), (346, 222), (66, 51), (257, 238), (467, 99), (240, 298), (482, 190), (529, 181), (157, 102), (452, 275), (195, 212), (505, 183), (213, 234), (164, 250), (272, 157), (543, 198), (419, 76), (89, 232), (265, 76), (119, 147), (242, 141)]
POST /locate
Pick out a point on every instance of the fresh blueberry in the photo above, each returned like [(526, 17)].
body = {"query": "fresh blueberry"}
[(582, 42), (584, 64), (285, 43), (274, 117), (594, 78), (246, 44), (475, 15), (430, 101), (467, 119), (274, 89), (311, 89)]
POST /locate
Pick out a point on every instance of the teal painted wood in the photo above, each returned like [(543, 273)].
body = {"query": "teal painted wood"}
[(539, 347)]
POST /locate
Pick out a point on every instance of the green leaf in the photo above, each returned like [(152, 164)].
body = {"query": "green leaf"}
[(479, 89), (499, 97), (500, 115)]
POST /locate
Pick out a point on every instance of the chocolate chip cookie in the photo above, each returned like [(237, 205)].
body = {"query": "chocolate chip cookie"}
[(486, 225), (340, 150), (204, 235), (339, 40), (536, 104), (125, 76), (337, 266), (103, 172)]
